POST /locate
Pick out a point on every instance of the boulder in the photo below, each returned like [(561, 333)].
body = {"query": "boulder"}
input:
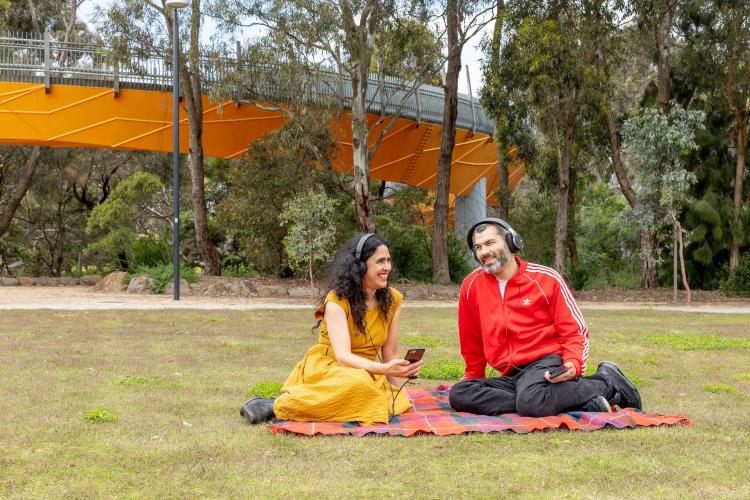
[(184, 288), (271, 291), (9, 282), (416, 293), (243, 288), (445, 292), (46, 281), (299, 292), (90, 280), (26, 281), (113, 282), (141, 284), (67, 281)]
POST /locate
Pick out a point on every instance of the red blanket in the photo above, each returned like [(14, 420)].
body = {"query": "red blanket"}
[(433, 415)]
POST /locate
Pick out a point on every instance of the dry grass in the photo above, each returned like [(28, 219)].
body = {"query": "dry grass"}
[(173, 383)]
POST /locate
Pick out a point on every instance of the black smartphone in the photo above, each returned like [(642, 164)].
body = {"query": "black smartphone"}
[(558, 371), (412, 356)]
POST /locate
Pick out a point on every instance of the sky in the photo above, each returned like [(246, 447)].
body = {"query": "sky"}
[(470, 57)]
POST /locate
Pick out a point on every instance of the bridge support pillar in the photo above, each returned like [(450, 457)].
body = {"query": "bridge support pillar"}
[(469, 209)]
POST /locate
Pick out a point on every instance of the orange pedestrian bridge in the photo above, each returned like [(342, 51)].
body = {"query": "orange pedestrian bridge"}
[(77, 95)]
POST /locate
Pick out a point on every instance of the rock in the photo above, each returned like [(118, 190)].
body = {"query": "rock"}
[(416, 293), (9, 282), (184, 288), (90, 280), (26, 281), (271, 291), (67, 281), (141, 284), (303, 292), (46, 281), (445, 292), (243, 288), (113, 282)]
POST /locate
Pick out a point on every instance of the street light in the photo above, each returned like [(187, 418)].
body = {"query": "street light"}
[(175, 5)]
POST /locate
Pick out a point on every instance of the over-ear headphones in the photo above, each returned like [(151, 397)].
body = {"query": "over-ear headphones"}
[(360, 245), (512, 238)]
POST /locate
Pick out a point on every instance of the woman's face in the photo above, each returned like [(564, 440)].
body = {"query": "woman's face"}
[(378, 269)]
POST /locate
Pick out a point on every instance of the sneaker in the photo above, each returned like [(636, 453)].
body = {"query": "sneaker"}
[(257, 410), (626, 393), (597, 404)]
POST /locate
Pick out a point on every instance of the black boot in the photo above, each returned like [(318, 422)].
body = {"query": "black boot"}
[(626, 394), (257, 410)]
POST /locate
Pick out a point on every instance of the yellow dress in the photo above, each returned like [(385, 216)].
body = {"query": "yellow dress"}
[(320, 390)]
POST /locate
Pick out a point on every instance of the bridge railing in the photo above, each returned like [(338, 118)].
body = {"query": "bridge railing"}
[(50, 61)]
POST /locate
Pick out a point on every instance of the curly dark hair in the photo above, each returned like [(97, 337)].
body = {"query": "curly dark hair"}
[(345, 278)]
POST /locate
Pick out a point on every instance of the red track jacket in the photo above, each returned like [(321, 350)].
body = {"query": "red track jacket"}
[(537, 317)]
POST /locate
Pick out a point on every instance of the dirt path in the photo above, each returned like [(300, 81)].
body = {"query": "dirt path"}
[(80, 298)]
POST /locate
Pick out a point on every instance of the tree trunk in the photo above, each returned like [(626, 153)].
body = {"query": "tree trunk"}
[(739, 177), (440, 270), (504, 192), (563, 185), (191, 83), (663, 81), (23, 185), (674, 260), (685, 284), (360, 149), (648, 258)]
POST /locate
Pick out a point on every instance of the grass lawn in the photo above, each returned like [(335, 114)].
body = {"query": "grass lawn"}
[(145, 404)]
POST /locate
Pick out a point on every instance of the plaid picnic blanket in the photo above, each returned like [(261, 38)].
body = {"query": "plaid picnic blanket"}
[(433, 415)]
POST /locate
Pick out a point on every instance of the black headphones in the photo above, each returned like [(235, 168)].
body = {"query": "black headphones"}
[(360, 245), (512, 238)]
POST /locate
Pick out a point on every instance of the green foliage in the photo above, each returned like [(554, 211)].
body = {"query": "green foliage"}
[(697, 342), (399, 219), (417, 340), (99, 415), (265, 389), (311, 230), (118, 221), (720, 389), (740, 283), (162, 275)]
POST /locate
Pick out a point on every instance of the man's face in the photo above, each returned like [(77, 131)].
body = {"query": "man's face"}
[(491, 250)]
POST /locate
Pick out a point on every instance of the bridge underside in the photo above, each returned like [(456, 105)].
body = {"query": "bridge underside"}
[(92, 117)]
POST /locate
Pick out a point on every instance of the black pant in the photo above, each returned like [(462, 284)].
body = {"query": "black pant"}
[(527, 392)]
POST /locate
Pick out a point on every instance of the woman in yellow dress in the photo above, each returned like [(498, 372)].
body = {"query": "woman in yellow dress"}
[(354, 371)]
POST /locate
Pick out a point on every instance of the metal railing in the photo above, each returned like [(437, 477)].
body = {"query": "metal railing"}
[(25, 58)]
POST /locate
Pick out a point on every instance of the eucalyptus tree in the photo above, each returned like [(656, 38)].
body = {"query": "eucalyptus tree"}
[(309, 41), (660, 142), (144, 28), (464, 19)]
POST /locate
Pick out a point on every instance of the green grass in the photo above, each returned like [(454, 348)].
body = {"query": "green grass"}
[(720, 389), (137, 380), (697, 342), (175, 381), (99, 415), (442, 369), (265, 389), (417, 340)]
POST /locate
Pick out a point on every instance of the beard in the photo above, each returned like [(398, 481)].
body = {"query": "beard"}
[(500, 260)]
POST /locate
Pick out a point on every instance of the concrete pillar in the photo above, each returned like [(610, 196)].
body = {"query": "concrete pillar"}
[(469, 209)]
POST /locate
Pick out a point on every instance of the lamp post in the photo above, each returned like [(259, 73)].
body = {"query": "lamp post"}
[(175, 5)]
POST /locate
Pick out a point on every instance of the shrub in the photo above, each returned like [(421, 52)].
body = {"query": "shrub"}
[(740, 283), (162, 274)]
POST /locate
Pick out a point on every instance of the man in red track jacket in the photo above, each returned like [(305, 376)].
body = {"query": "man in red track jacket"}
[(522, 320)]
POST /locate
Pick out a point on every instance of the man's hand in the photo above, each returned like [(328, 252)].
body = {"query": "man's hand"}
[(568, 375)]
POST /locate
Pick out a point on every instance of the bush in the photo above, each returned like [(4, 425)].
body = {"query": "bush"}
[(162, 274), (740, 283)]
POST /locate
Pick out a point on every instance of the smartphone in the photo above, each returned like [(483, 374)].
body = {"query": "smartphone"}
[(412, 356), (558, 371)]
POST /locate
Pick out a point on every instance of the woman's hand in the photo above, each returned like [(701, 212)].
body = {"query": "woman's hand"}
[(401, 368)]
